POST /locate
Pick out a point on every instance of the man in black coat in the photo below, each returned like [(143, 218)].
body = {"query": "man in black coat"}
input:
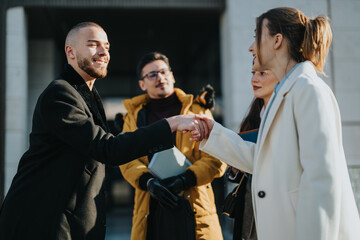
[(58, 191)]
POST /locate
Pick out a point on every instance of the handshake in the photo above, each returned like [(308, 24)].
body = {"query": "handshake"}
[(198, 125)]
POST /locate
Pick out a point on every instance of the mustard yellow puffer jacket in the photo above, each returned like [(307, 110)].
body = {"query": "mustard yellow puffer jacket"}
[(205, 168)]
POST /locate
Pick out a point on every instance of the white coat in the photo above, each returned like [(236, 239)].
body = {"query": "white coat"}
[(301, 188)]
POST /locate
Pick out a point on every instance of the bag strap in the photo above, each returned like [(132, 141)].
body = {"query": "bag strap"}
[(235, 192)]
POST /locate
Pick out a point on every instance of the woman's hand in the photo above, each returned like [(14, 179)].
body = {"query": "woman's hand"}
[(207, 124)]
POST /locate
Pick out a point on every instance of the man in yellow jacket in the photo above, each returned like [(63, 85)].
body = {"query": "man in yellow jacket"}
[(160, 101)]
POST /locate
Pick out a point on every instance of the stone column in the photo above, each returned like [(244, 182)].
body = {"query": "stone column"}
[(16, 91)]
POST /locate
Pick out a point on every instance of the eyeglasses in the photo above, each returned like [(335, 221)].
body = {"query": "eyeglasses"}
[(152, 76)]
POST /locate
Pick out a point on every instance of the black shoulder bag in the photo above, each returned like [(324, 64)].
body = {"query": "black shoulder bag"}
[(231, 201)]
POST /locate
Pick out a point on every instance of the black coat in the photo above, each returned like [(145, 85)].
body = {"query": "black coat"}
[(57, 192)]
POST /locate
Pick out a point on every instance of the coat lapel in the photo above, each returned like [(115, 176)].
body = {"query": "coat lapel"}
[(91, 98), (265, 127)]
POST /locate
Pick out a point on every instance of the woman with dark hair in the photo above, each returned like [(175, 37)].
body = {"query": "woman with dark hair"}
[(244, 219), (300, 187)]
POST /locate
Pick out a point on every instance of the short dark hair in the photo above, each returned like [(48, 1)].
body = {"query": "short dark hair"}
[(79, 26), (148, 58), (85, 24)]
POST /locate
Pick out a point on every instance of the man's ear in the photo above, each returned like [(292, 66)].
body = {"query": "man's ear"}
[(172, 76), (278, 40), (142, 85), (69, 51)]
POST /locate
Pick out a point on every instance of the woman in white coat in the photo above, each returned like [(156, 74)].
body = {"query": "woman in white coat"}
[(301, 188)]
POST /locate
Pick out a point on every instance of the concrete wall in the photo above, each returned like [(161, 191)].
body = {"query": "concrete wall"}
[(16, 91), (346, 27)]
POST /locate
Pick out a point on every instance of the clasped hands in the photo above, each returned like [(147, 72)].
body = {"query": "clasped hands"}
[(165, 191), (199, 125)]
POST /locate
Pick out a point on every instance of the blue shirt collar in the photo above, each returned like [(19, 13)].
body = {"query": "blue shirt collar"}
[(280, 84)]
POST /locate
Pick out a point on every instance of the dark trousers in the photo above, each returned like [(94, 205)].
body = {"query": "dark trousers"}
[(174, 224)]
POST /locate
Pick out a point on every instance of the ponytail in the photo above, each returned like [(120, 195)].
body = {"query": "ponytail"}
[(317, 40)]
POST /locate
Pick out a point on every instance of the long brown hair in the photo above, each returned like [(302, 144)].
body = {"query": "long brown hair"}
[(308, 39), (252, 119)]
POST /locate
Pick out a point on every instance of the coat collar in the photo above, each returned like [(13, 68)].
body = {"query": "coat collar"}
[(92, 98), (303, 67)]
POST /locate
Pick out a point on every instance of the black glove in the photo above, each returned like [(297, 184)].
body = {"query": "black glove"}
[(159, 192), (119, 122), (180, 182)]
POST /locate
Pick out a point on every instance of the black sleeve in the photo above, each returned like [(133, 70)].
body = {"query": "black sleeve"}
[(63, 111), (144, 179)]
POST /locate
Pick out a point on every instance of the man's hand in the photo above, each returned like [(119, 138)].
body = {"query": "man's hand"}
[(183, 123), (181, 182), (174, 184), (162, 194)]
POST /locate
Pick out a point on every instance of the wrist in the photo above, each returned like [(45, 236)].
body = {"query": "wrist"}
[(211, 124), (173, 123)]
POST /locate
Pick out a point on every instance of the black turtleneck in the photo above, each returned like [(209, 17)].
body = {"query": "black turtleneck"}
[(158, 109)]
